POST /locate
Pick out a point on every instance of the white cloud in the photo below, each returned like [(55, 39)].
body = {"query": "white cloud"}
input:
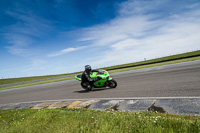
[(125, 44), (64, 51), (136, 34), (119, 29), (138, 7)]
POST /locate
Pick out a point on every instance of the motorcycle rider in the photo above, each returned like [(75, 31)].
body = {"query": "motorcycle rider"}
[(85, 78)]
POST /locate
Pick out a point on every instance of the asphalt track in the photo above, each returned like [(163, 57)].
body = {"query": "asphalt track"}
[(177, 80)]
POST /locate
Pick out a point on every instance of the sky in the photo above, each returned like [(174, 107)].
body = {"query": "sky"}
[(45, 37)]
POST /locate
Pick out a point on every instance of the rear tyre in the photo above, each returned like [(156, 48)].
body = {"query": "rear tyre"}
[(86, 86), (112, 84)]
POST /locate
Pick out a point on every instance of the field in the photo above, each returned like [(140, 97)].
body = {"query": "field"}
[(16, 80), (91, 121), (158, 60), (36, 83)]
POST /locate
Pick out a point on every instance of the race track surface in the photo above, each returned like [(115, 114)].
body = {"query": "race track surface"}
[(177, 80)]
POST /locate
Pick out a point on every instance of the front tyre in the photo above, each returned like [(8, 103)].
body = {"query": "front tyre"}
[(112, 84)]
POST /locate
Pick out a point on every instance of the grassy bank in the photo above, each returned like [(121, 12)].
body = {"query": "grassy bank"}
[(16, 80), (167, 58), (90, 121), (36, 83), (156, 64)]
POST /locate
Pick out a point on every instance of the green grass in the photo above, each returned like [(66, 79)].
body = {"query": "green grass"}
[(16, 80), (91, 121), (156, 64), (158, 59), (36, 83)]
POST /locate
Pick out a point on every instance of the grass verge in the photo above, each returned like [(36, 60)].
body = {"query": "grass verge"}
[(91, 121), (157, 64), (36, 83), (16, 80), (162, 59)]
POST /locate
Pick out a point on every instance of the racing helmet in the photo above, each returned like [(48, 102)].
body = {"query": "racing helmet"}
[(88, 68)]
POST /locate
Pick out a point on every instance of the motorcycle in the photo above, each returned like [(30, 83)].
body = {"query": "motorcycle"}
[(105, 80)]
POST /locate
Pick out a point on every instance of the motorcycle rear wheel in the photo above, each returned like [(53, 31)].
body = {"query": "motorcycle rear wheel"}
[(86, 87), (112, 84)]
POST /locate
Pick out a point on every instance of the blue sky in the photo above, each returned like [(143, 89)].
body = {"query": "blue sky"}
[(44, 37)]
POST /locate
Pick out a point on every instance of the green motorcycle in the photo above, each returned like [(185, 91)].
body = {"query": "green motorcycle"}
[(105, 81)]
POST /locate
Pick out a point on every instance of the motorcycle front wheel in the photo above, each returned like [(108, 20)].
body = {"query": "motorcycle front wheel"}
[(112, 84)]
